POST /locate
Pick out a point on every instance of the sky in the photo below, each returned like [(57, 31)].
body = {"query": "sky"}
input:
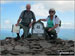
[(10, 11)]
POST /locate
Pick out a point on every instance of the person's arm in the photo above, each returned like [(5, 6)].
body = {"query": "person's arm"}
[(42, 20), (32, 23), (18, 21), (56, 25), (20, 18)]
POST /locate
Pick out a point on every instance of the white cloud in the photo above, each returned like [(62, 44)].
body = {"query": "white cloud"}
[(39, 10), (67, 25), (9, 1), (5, 1), (7, 24), (7, 21), (58, 5)]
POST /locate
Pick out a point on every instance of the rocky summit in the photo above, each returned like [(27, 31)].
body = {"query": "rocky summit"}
[(36, 46)]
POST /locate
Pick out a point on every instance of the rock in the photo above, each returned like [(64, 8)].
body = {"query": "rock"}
[(12, 52), (2, 48), (22, 48), (34, 46), (41, 38), (31, 52), (10, 48), (8, 37), (37, 47), (4, 52), (33, 39), (44, 44), (37, 50), (3, 42), (71, 42), (50, 52), (52, 41)]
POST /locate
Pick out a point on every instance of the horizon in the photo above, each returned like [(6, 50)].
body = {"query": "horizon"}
[(65, 34)]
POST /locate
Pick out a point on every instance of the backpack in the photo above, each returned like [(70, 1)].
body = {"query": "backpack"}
[(59, 22)]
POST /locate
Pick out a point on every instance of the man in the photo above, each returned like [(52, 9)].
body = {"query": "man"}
[(25, 19)]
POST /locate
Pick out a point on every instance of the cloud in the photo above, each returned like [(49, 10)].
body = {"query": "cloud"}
[(5, 1), (59, 5), (7, 24), (9, 1), (7, 21), (40, 10), (67, 25), (42, 7)]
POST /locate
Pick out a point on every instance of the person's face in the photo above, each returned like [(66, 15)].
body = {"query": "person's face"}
[(52, 13), (28, 7)]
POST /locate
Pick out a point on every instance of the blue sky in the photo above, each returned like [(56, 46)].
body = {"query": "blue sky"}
[(10, 11)]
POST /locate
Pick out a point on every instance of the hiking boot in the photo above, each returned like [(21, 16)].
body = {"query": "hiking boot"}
[(29, 36), (17, 38), (22, 35), (22, 38)]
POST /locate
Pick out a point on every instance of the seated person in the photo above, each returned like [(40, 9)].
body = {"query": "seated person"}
[(52, 24)]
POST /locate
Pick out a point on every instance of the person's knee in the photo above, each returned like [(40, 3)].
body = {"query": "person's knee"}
[(46, 29), (53, 31)]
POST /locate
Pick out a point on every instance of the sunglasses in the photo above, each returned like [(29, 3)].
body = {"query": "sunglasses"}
[(51, 11)]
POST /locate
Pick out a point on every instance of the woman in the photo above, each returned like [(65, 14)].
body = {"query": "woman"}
[(52, 24)]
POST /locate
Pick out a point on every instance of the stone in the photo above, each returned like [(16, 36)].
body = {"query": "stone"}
[(2, 48), (33, 39), (44, 44), (12, 52), (21, 48), (34, 46), (71, 42), (37, 50), (2, 42), (4, 52)]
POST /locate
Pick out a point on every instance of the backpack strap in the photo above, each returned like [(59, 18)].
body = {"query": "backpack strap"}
[(59, 22), (55, 16), (24, 13)]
